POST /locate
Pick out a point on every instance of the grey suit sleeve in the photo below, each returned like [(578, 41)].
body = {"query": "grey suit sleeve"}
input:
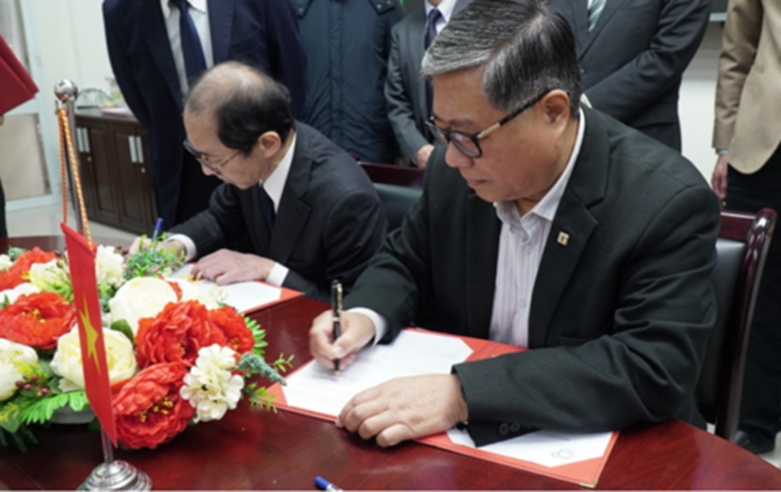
[(681, 26), (400, 109), (643, 368), (353, 233)]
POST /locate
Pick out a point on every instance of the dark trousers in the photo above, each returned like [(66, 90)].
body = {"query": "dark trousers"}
[(760, 411)]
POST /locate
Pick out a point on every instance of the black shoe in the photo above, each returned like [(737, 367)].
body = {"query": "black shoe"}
[(755, 444)]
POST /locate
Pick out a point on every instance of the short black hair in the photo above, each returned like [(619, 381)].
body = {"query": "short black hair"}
[(245, 102)]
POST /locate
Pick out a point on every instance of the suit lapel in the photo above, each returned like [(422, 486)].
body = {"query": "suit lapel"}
[(587, 185), (157, 41), (221, 24), (293, 212), (482, 249), (611, 7)]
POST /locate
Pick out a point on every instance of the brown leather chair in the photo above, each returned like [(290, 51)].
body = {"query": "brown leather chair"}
[(741, 250), (398, 187)]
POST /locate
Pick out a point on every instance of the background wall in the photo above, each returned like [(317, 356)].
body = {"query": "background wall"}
[(71, 44)]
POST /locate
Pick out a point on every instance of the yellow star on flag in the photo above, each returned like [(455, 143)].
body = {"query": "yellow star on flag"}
[(92, 336)]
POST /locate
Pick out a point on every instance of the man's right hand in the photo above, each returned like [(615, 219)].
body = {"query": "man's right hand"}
[(719, 178), (356, 331), (174, 245), (422, 155)]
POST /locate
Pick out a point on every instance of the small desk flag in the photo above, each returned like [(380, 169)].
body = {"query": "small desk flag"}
[(81, 260)]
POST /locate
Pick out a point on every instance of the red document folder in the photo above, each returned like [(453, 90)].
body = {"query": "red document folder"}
[(16, 86), (584, 473)]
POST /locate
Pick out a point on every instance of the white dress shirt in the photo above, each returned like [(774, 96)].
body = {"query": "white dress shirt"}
[(200, 15), (521, 243), (445, 8), (274, 186)]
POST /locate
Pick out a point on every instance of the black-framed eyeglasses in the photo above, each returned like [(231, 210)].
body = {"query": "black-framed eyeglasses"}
[(469, 143), (202, 160)]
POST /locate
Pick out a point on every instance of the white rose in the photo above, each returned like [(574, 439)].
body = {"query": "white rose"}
[(19, 290), (46, 276), (140, 297), (210, 386), (209, 296), (16, 360), (67, 359), (5, 262), (109, 266)]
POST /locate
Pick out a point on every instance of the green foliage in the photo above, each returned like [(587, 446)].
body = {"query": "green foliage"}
[(19, 437), (5, 302), (105, 292), (250, 364), (42, 410), (11, 412), (149, 261), (259, 397), (14, 252), (123, 327), (258, 333)]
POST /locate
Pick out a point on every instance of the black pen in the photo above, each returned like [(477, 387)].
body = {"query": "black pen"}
[(336, 308)]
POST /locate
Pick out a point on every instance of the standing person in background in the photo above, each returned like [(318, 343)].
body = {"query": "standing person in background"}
[(155, 51), (409, 96), (747, 133), (632, 55), (347, 44)]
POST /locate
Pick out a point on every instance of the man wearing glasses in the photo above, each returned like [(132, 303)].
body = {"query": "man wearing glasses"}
[(296, 206), (541, 225)]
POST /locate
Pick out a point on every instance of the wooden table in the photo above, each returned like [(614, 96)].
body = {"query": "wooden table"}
[(254, 449)]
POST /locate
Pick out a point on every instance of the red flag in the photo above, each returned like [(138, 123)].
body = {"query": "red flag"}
[(81, 259)]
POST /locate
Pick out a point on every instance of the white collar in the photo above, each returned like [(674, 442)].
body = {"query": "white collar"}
[(196, 4), (445, 8), (275, 183)]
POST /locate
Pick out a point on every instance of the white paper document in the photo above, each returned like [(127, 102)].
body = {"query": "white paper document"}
[(243, 296), (317, 389)]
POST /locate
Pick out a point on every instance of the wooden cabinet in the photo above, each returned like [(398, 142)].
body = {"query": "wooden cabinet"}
[(113, 160)]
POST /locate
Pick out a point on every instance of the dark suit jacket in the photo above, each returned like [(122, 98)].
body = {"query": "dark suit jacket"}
[(328, 225), (620, 315), (260, 32), (632, 61), (405, 91)]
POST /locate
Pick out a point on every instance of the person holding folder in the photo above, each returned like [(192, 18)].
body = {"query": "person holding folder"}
[(545, 225)]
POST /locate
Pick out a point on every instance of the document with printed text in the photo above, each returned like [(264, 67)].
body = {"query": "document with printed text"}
[(314, 390)]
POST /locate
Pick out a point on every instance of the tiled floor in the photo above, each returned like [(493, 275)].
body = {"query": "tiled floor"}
[(42, 221)]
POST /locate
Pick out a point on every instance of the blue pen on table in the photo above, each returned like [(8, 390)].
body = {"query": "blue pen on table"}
[(336, 311), (323, 484), (158, 229)]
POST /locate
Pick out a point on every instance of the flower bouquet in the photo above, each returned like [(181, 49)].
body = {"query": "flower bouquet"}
[(175, 353)]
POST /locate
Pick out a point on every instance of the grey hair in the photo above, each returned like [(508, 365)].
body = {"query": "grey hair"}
[(523, 47)]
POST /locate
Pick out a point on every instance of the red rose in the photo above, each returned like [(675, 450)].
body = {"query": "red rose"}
[(37, 320), (176, 334), (149, 410), (236, 334), (13, 276)]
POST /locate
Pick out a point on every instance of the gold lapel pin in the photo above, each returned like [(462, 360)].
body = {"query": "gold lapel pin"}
[(563, 238)]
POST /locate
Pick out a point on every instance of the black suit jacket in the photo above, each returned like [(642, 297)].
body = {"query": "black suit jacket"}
[(405, 91), (633, 60), (620, 315), (328, 225), (260, 32)]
